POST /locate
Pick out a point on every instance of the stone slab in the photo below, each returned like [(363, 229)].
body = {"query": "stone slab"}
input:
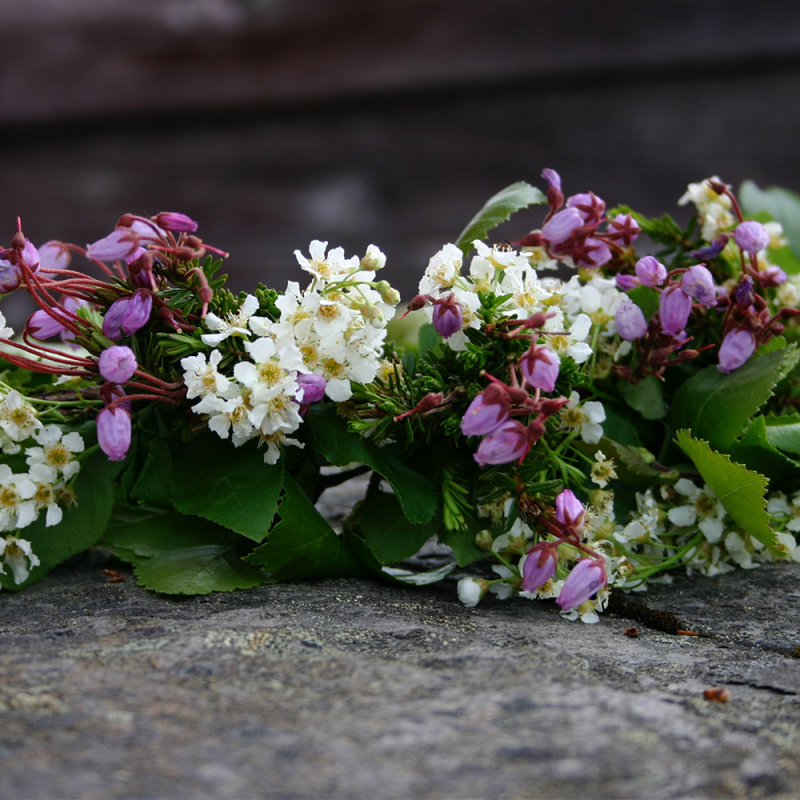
[(345, 688)]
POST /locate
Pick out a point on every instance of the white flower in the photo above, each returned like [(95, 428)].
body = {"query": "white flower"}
[(18, 417), (5, 331), (56, 451), (327, 268), (442, 270), (570, 342), (234, 324), (586, 416), (470, 592), (17, 509), (603, 469), (201, 377), (704, 505), (18, 554), (713, 210)]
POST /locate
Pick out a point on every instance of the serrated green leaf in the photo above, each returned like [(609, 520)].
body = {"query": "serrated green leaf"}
[(330, 436), (81, 526), (462, 542), (198, 570), (718, 407), (387, 532), (647, 298), (646, 397), (498, 209), (303, 545), (755, 450), (229, 485), (781, 204), (739, 489), (784, 433)]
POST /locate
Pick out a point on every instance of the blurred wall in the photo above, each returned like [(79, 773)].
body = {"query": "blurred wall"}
[(273, 122)]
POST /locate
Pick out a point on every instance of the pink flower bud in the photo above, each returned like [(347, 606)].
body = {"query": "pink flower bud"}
[(674, 309), (593, 254), (698, 282), (54, 255), (117, 364), (590, 206), (43, 325), (569, 510), (120, 243), (114, 432), (30, 255), (10, 276), (540, 565), (627, 282), (585, 580), (751, 237), (736, 348), (447, 316), (173, 221), (629, 320), (555, 197), (487, 412), (623, 229), (504, 444), (126, 315), (650, 271), (313, 387), (562, 225), (540, 367)]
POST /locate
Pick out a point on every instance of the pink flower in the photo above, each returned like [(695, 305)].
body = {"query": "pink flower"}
[(585, 580), (540, 367), (313, 387), (650, 271), (590, 206), (540, 565), (674, 309), (562, 225), (736, 348), (120, 243), (569, 510), (504, 444), (173, 221), (114, 432), (698, 282), (751, 237), (447, 316), (629, 320), (43, 325), (487, 412), (117, 364)]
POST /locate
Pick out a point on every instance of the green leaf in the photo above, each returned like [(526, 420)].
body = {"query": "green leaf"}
[(756, 451), (498, 209), (229, 485), (387, 532), (462, 542), (428, 338), (781, 204), (784, 433), (198, 570), (303, 545), (646, 397), (718, 407), (152, 487), (740, 490), (81, 526), (647, 298), (330, 436), (149, 532)]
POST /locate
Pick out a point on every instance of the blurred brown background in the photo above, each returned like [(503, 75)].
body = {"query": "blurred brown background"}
[(273, 122)]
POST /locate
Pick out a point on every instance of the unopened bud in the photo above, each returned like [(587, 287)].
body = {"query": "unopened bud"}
[(387, 292)]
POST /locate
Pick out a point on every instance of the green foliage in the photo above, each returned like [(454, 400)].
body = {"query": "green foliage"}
[(386, 531), (718, 407), (330, 436), (756, 450), (303, 545), (229, 485), (646, 397), (647, 298), (740, 490), (498, 209)]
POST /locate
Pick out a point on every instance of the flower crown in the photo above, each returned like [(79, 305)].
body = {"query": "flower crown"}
[(560, 414)]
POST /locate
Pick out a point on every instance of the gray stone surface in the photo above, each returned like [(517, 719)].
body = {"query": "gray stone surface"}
[(357, 689)]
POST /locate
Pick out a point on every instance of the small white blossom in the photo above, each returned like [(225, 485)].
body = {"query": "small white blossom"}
[(18, 554), (586, 416), (235, 323)]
